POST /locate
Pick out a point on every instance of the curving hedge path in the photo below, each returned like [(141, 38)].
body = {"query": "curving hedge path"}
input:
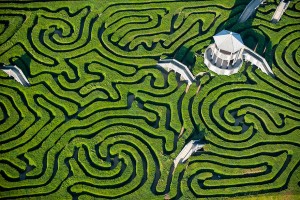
[(100, 120)]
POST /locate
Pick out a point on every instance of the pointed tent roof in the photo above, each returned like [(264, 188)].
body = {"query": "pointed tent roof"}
[(228, 41)]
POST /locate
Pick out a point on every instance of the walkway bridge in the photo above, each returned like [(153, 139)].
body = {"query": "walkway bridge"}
[(183, 70), (279, 11), (257, 60), (187, 151), (16, 73), (249, 10)]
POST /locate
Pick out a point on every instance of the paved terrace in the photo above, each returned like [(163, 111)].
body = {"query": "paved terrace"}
[(16, 73), (172, 64)]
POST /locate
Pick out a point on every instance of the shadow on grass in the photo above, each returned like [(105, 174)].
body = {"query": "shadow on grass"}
[(198, 133), (252, 37), (23, 62)]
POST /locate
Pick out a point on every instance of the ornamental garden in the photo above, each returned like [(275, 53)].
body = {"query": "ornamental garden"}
[(117, 90)]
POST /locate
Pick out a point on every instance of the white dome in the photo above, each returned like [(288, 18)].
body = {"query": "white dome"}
[(228, 41)]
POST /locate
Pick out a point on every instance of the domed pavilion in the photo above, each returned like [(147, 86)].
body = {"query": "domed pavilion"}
[(225, 55)]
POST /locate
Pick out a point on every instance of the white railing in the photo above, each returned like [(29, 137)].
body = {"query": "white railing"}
[(187, 151), (209, 63), (256, 59), (16, 73), (279, 11), (172, 64), (247, 54)]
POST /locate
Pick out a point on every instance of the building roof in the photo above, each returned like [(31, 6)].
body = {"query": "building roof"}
[(228, 41)]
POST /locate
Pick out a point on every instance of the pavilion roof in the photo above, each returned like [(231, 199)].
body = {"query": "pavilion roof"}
[(228, 41)]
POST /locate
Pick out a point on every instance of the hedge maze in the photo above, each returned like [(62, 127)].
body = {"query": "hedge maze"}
[(100, 120)]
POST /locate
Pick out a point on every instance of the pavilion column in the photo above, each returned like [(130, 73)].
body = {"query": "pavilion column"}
[(236, 57), (239, 54), (213, 53), (230, 57), (217, 56), (234, 60)]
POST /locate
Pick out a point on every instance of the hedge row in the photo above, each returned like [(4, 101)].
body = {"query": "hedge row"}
[(101, 120)]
